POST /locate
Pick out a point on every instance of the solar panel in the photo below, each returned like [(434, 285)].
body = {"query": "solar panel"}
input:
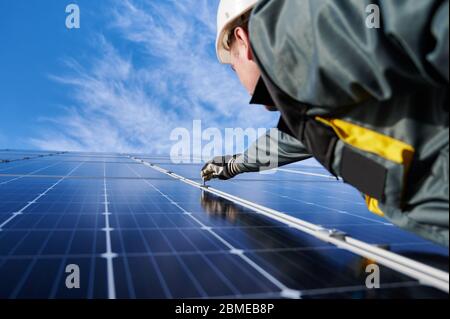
[(150, 230)]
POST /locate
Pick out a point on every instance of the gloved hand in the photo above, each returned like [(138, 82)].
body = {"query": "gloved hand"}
[(221, 167)]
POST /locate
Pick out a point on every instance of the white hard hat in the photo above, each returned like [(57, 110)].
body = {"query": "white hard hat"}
[(229, 11)]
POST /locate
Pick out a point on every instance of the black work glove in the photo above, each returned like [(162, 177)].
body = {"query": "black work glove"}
[(221, 167)]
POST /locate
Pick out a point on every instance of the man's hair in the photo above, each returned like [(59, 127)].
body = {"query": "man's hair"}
[(241, 22)]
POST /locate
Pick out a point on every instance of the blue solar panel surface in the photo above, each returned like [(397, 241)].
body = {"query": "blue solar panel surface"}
[(135, 232)]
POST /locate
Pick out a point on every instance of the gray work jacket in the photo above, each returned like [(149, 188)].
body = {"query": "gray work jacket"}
[(371, 104)]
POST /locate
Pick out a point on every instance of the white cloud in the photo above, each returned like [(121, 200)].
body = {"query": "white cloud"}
[(126, 106)]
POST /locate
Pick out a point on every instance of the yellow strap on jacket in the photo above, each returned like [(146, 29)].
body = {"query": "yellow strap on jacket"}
[(373, 142)]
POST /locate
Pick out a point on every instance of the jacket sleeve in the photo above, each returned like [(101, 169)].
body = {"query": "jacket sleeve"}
[(271, 150), (322, 52)]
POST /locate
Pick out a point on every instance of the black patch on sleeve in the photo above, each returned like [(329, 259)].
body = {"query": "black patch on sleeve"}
[(320, 140), (363, 173)]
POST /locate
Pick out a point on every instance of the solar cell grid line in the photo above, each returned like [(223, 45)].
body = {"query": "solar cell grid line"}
[(345, 211), (287, 186), (328, 208), (217, 272), (334, 180), (8, 166), (285, 291), (72, 177), (31, 173), (62, 187), (337, 191), (30, 166), (183, 237), (63, 160), (109, 255), (201, 254), (20, 212), (334, 197), (424, 273), (192, 278), (86, 155), (27, 270), (440, 275), (321, 186), (65, 256), (152, 254), (19, 287), (227, 282), (171, 230), (345, 200), (154, 264), (304, 173)]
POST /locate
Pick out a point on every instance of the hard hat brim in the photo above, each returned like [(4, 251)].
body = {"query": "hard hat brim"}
[(223, 55)]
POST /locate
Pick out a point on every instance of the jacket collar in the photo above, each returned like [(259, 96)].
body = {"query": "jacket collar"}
[(261, 95)]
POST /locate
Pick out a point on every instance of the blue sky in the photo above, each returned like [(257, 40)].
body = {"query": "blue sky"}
[(135, 70)]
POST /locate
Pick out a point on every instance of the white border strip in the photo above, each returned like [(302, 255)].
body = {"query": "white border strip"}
[(305, 173), (425, 274), (108, 255)]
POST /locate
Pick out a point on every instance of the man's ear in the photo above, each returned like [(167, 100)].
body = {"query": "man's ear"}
[(243, 39)]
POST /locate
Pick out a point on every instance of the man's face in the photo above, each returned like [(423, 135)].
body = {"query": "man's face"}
[(242, 61), (243, 64)]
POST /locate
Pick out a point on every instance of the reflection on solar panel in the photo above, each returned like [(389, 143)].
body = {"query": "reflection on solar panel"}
[(148, 229)]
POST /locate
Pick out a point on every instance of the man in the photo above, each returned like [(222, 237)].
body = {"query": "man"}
[(278, 145), (370, 104)]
